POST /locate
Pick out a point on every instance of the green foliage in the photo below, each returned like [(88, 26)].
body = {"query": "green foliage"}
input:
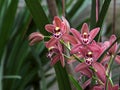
[(75, 83)]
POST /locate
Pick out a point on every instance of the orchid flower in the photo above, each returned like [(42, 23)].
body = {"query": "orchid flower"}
[(59, 29), (55, 54), (110, 87), (90, 52), (86, 36), (112, 50), (90, 56), (35, 37)]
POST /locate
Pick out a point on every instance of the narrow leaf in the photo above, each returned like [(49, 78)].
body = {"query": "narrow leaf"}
[(38, 14), (75, 83)]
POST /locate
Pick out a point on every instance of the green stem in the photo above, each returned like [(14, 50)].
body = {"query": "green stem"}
[(12, 77), (2, 68), (108, 71), (76, 57)]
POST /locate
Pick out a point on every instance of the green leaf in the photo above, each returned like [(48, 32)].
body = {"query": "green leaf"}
[(75, 83), (93, 15), (101, 17), (7, 23), (12, 77), (2, 68), (74, 9), (38, 14), (62, 77)]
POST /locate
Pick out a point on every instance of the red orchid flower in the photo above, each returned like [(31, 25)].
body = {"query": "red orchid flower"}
[(86, 36), (91, 55), (110, 87), (89, 52), (35, 37), (112, 50), (55, 54), (59, 29)]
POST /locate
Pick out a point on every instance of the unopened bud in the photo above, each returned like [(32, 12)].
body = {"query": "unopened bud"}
[(35, 37)]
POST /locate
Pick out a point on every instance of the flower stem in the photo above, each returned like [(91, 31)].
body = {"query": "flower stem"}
[(109, 69), (76, 57)]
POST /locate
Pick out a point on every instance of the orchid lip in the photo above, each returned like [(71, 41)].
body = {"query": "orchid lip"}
[(57, 32), (57, 35), (85, 38), (89, 58), (88, 61)]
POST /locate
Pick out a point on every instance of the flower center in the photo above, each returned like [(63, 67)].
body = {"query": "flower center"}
[(89, 58), (51, 52), (57, 32), (85, 38)]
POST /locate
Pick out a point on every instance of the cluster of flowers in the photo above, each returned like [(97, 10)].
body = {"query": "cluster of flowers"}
[(81, 46)]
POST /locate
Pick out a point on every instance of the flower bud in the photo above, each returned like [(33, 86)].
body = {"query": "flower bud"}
[(35, 37)]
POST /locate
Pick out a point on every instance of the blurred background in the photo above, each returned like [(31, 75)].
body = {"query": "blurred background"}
[(24, 67)]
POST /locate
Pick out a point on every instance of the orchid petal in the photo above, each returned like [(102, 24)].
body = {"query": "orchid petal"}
[(105, 59), (117, 59), (75, 48), (112, 39), (85, 28), (93, 33), (62, 60), (97, 88), (76, 34), (57, 21), (83, 68), (114, 47), (35, 37), (115, 87), (35, 40), (106, 44), (66, 24), (69, 38), (86, 72), (49, 28), (80, 67), (51, 42), (63, 28), (86, 83), (100, 71), (54, 60)]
